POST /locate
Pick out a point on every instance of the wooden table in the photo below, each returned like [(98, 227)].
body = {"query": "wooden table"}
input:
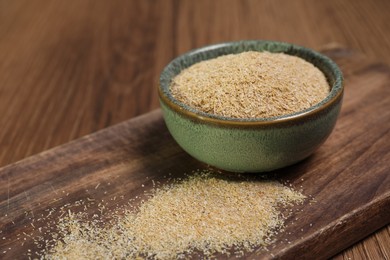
[(69, 68)]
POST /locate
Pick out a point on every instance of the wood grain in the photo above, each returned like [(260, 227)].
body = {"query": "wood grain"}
[(70, 68), (347, 177)]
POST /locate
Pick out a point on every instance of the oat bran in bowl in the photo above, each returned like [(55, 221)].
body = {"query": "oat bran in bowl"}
[(251, 106)]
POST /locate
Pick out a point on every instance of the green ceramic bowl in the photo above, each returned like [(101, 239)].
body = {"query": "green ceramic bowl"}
[(251, 145)]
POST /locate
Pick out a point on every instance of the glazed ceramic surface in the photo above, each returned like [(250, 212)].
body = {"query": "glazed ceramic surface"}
[(255, 144)]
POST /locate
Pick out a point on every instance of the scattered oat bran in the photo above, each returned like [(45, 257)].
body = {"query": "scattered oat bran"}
[(204, 212), (251, 85)]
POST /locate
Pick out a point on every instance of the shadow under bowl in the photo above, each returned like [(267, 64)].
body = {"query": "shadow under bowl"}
[(251, 144)]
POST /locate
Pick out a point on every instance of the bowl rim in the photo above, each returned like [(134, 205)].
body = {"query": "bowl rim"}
[(333, 98)]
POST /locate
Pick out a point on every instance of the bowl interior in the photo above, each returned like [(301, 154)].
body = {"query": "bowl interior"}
[(327, 66)]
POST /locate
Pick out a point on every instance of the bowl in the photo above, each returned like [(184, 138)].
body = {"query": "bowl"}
[(251, 144)]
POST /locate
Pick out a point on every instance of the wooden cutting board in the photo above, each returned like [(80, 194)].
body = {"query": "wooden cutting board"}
[(348, 177)]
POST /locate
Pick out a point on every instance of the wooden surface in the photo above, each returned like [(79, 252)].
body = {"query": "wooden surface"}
[(348, 177), (69, 68)]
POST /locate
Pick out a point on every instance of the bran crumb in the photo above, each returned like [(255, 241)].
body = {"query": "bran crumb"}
[(202, 213), (251, 85)]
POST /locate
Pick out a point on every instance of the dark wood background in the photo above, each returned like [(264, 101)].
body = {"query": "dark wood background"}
[(69, 68)]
